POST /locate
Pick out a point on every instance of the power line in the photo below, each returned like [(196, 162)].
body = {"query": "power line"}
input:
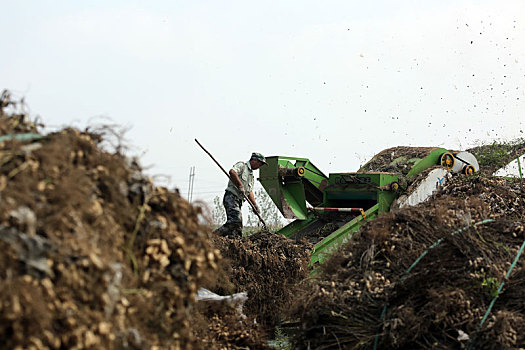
[(207, 192), (209, 187)]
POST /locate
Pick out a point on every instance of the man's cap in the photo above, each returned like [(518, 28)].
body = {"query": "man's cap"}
[(259, 157)]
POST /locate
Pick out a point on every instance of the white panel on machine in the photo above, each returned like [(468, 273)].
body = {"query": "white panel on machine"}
[(425, 189)]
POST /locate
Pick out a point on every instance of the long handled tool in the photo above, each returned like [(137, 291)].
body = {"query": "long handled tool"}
[(228, 175)]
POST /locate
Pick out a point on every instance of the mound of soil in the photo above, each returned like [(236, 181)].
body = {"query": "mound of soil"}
[(93, 255), (267, 266), (363, 294), (504, 197), (223, 326)]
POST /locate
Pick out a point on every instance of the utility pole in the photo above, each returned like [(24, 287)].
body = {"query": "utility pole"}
[(190, 185)]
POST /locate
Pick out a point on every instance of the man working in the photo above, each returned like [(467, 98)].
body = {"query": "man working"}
[(241, 181)]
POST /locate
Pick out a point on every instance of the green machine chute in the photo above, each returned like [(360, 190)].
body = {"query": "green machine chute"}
[(292, 183)]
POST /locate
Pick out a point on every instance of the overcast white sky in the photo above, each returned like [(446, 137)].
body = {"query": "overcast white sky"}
[(333, 81)]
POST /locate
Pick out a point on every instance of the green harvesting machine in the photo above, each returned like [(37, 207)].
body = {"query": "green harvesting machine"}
[(328, 209)]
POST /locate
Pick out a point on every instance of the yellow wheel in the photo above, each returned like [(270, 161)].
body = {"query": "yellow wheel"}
[(468, 169), (394, 186), (447, 160), (300, 171)]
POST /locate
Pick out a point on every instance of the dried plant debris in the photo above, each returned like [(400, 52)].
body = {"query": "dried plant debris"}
[(396, 159), (496, 155), (219, 326), (93, 254), (363, 295), (267, 266), (13, 118), (503, 197)]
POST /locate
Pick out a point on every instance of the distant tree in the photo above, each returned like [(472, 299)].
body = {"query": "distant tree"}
[(218, 214), (269, 212)]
